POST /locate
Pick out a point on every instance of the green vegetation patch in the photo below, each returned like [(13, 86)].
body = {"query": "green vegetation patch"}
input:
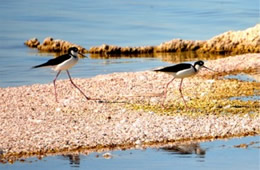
[(216, 100)]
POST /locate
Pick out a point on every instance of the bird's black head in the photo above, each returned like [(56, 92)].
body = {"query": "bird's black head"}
[(73, 50), (200, 63)]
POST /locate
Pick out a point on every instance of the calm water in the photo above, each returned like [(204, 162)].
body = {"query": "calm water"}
[(119, 22), (217, 155), (125, 23)]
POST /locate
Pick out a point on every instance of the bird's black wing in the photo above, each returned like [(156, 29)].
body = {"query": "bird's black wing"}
[(54, 61), (175, 68)]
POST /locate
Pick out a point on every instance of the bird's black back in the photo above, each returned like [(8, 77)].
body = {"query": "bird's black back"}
[(54, 61), (175, 68)]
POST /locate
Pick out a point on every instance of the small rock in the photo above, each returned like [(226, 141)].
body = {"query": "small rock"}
[(138, 142), (243, 145), (1, 152), (33, 43), (58, 109), (107, 155), (227, 106)]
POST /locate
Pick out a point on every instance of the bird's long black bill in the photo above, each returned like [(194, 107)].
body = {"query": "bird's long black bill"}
[(209, 69), (83, 55)]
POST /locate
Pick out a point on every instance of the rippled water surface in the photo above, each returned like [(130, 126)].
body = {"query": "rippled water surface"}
[(118, 22), (239, 154)]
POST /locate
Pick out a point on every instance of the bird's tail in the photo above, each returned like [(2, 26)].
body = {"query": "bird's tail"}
[(36, 66), (41, 65), (158, 69)]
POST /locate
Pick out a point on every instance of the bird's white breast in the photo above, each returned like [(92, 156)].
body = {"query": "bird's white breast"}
[(67, 64), (185, 73)]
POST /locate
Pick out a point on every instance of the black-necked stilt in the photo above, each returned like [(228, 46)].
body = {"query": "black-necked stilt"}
[(64, 62), (182, 71)]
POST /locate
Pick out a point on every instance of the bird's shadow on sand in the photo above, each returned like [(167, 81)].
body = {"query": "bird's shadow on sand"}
[(112, 101), (127, 99)]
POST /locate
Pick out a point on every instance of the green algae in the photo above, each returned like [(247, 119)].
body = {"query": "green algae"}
[(215, 101)]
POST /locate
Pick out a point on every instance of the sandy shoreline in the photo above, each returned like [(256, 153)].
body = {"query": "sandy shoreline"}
[(31, 121)]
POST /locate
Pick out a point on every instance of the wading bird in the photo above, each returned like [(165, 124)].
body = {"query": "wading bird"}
[(64, 62), (181, 71)]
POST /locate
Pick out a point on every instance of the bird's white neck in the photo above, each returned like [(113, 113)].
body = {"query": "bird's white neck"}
[(197, 67), (74, 54)]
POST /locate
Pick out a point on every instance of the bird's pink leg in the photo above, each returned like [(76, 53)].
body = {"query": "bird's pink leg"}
[(77, 86), (55, 86), (181, 93), (165, 91)]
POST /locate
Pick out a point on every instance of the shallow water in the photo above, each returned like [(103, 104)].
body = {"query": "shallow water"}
[(219, 154), (246, 98), (241, 77), (119, 22)]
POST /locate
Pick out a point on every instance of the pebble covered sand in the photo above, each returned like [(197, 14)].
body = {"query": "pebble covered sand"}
[(31, 122)]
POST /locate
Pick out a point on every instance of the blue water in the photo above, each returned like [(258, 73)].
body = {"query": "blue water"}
[(241, 77), (119, 22), (220, 154)]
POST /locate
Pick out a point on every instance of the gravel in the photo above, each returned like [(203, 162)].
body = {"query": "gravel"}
[(31, 122)]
